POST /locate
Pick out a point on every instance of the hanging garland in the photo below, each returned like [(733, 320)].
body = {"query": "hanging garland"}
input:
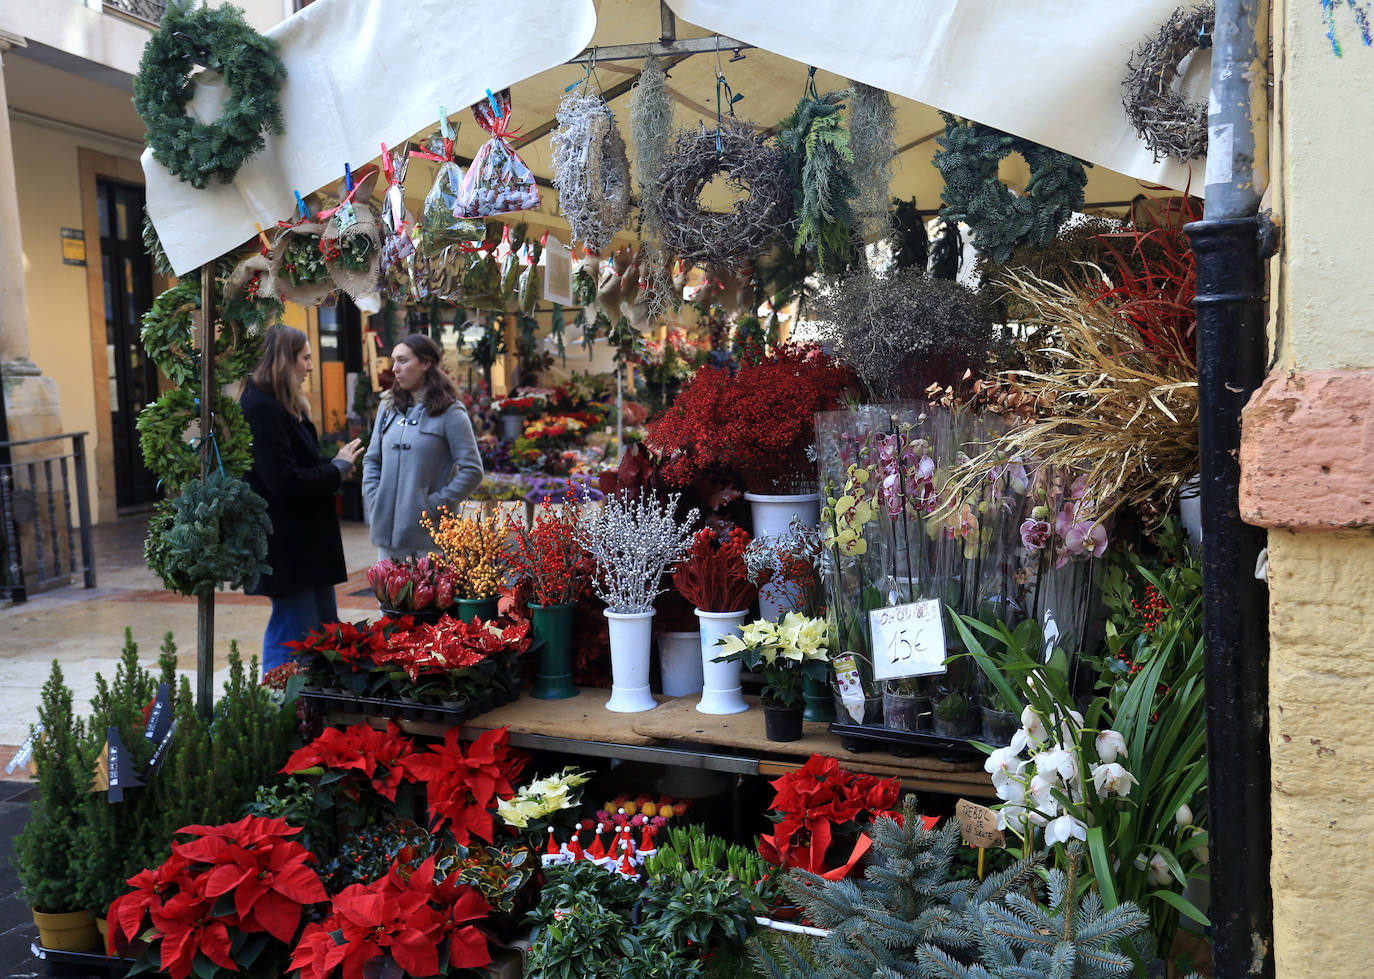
[(1170, 124), (171, 458), (215, 532), (590, 170), (816, 147), (170, 326), (220, 39), (999, 219), (752, 168)]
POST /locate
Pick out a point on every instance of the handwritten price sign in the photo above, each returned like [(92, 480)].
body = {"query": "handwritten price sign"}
[(908, 640)]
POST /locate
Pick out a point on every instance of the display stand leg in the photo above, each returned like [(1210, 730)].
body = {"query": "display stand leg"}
[(205, 610)]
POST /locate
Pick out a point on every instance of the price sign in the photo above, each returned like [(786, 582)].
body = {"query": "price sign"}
[(978, 825), (908, 640)]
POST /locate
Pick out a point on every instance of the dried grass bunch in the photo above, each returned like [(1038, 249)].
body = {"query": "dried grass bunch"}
[(590, 170), (1119, 409), (872, 125), (902, 332), (750, 166)]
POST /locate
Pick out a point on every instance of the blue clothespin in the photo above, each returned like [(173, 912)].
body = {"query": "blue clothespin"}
[(300, 205), (348, 178), (494, 107)]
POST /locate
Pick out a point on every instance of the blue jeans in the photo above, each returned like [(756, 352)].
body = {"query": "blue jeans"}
[(293, 616)]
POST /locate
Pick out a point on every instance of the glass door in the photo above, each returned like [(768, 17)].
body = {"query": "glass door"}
[(127, 272)]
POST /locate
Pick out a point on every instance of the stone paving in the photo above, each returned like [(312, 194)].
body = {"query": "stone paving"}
[(83, 629)]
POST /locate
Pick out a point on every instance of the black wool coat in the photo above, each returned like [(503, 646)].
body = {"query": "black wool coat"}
[(304, 549)]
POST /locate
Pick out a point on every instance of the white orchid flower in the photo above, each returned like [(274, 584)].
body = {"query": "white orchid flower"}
[(1159, 874), (1010, 791), (1034, 726), (1112, 780), (1042, 794), (1184, 816), (1004, 766), (1069, 727), (1066, 827), (1110, 746), (1055, 761)]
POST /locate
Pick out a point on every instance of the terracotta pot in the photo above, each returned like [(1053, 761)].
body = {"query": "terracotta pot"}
[(68, 931)]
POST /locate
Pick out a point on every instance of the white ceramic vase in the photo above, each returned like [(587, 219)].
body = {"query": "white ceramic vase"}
[(720, 690), (772, 516), (631, 637), (679, 663)]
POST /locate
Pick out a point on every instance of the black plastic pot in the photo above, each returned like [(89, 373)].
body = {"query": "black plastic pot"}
[(782, 723)]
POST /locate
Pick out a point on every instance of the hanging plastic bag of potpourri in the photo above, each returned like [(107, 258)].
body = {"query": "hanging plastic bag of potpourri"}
[(441, 226), (498, 182)]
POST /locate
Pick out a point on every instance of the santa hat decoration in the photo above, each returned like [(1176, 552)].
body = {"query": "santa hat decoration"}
[(575, 848), (598, 849), (552, 849)]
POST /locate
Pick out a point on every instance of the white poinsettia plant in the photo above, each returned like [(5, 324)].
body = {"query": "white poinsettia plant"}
[(536, 806), (784, 652)]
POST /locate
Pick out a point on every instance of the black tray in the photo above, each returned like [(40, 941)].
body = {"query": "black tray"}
[(84, 964), (865, 737), (329, 701)]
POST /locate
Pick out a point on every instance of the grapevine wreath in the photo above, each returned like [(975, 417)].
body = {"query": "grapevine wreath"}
[(1170, 124), (999, 219), (162, 434), (221, 40), (214, 532), (169, 330), (748, 164)]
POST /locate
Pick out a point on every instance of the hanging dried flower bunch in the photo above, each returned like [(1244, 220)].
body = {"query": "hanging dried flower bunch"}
[(590, 170), (872, 125), (651, 130)]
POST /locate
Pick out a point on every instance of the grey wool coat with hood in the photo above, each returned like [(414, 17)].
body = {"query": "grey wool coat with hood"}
[(416, 462)]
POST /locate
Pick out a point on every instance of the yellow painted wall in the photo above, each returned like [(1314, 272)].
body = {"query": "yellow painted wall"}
[(59, 322), (1322, 585)]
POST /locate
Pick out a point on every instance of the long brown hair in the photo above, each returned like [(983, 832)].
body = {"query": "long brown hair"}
[(276, 372), (438, 391)]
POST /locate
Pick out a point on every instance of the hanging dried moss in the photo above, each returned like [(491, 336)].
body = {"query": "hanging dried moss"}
[(872, 125), (590, 170)]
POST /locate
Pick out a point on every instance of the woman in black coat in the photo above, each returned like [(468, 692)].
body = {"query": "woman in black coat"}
[(304, 549)]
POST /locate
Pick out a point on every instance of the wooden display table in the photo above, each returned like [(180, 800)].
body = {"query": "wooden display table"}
[(673, 733)]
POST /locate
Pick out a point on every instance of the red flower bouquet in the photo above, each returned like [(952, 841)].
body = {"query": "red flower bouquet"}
[(713, 576), (811, 803), (408, 922), (758, 422), (547, 554), (463, 786), (203, 908)]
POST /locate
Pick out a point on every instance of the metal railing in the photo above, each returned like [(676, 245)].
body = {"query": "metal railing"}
[(148, 11), (36, 499)]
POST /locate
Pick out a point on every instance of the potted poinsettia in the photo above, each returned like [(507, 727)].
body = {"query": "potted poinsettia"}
[(784, 652), (410, 922), (231, 898)]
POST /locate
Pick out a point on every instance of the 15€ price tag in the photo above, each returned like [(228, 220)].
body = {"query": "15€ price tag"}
[(908, 640)]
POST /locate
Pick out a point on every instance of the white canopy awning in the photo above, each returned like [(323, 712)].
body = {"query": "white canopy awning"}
[(360, 72), (1044, 70)]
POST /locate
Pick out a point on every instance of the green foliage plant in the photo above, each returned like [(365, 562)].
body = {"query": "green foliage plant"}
[(214, 533), (815, 145), (695, 911), (45, 851)]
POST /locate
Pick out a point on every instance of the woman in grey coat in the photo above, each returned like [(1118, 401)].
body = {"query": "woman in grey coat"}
[(423, 453)]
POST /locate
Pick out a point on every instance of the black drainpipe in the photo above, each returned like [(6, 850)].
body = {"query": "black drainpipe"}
[(1232, 354)]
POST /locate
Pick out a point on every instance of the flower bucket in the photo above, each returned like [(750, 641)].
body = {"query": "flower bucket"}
[(553, 665), (477, 608), (720, 691), (679, 661), (772, 515), (631, 637), (67, 931), (512, 426), (818, 703)]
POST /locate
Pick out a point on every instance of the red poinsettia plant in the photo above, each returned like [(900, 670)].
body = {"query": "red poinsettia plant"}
[(445, 660), (713, 576), (463, 785), (816, 803), (231, 898), (546, 554), (360, 763), (757, 422), (410, 922)]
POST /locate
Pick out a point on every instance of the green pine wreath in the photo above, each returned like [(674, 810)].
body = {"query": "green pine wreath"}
[(215, 532), (999, 219), (220, 39), (173, 460), (169, 331)]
